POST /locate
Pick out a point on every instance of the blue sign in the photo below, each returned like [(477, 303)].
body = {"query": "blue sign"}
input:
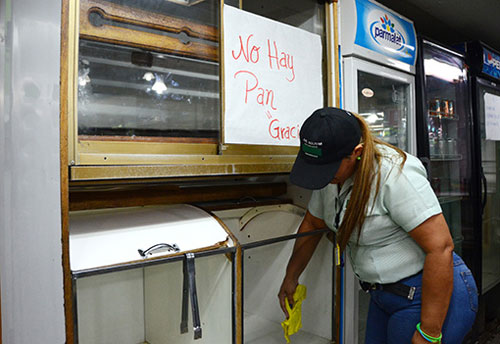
[(385, 32), (491, 63)]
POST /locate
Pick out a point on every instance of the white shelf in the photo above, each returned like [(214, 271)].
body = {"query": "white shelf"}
[(443, 199), (446, 157), (448, 118)]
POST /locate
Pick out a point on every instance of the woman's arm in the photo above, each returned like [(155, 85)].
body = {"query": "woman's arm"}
[(434, 238), (302, 252)]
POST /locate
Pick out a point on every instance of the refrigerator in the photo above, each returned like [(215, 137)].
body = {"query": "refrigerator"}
[(446, 139), (378, 49), (484, 65), (446, 143)]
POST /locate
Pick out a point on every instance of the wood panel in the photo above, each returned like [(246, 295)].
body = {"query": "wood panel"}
[(170, 194), (148, 40), (64, 171)]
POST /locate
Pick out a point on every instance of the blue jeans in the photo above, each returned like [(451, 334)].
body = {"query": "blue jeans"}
[(392, 319)]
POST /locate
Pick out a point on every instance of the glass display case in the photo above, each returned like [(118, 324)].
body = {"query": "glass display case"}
[(126, 94), (488, 99), (145, 93), (385, 98), (449, 136), (384, 104)]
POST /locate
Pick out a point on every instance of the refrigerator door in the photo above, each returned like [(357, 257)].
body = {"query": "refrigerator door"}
[(385, 98), (489, 112), (449, 140)]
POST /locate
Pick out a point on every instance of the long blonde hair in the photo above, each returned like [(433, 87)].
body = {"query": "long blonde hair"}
[(367, 170)]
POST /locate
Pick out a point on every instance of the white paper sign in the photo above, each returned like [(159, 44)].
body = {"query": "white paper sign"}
[(492, 116), (273, 79)]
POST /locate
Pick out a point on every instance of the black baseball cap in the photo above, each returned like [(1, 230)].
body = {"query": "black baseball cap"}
[(326, 137)]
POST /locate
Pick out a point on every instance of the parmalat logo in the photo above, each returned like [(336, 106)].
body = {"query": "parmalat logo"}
[(384, 33)]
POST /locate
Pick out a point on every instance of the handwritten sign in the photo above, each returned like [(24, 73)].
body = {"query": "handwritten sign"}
[(272, 78), (492, 116)]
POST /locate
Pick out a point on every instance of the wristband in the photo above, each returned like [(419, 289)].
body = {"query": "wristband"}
[(429, 338)]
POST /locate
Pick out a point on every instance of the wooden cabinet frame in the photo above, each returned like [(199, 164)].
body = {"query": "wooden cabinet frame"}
[(114, 158), (118, 162)]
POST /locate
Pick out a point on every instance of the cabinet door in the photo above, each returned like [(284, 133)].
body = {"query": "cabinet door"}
[(489, 105), (385, 98), (148, 71), (449, 138)]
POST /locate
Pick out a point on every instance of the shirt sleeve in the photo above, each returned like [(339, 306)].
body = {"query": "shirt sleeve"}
[(315, 206), (408, 196)]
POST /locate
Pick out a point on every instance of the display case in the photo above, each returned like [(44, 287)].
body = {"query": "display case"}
[(176, 274), (447, 111), (145, 89), (383, 103), (266, 235), (151, 275), (488, 98)]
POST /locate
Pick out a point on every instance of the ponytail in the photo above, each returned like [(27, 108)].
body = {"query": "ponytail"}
[(368, 169)]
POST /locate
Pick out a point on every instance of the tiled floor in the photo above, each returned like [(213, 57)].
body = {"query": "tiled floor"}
[(492, 335)]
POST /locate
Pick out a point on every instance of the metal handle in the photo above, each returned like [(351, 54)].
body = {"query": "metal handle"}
[(157, 247), (485, 194), (189, 287)]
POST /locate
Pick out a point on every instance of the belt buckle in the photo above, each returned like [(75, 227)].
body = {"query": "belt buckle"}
[(411, 293), (367, 287)]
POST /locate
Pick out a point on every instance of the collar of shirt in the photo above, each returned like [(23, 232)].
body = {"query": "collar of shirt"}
[(346, 187)]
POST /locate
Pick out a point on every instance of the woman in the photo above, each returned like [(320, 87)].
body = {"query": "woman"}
[(378, 201)]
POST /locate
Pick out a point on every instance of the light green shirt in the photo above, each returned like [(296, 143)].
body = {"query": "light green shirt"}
[(385, 253)]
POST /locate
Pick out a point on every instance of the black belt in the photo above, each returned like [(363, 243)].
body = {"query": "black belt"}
[(397, 288)]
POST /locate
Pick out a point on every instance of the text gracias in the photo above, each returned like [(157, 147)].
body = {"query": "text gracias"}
[(263, 96)]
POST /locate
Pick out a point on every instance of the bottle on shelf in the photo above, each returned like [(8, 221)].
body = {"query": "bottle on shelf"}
[(445, 108), (435, 107), (451, 108)]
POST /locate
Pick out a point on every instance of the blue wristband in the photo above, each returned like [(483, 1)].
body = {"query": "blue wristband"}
[(428, 338)]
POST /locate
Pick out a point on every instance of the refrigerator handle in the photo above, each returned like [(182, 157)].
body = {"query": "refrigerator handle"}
[(485, 193)]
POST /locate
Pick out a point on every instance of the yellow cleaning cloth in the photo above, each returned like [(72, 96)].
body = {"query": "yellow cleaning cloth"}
[(294, 322)]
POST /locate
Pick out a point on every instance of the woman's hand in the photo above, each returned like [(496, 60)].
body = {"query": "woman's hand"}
[(418, 339), (303, 250), (286, 291)]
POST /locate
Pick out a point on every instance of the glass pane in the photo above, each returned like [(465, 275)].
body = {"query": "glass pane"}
[(137, 90), (307, 15), (490, 154), (448, 118), (384, 105), (264, 268)]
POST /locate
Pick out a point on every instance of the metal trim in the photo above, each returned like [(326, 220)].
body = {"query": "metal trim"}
[(146, 263), (284, 238), (242, 295), (75, 311), (72, 94), (251, 213)]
